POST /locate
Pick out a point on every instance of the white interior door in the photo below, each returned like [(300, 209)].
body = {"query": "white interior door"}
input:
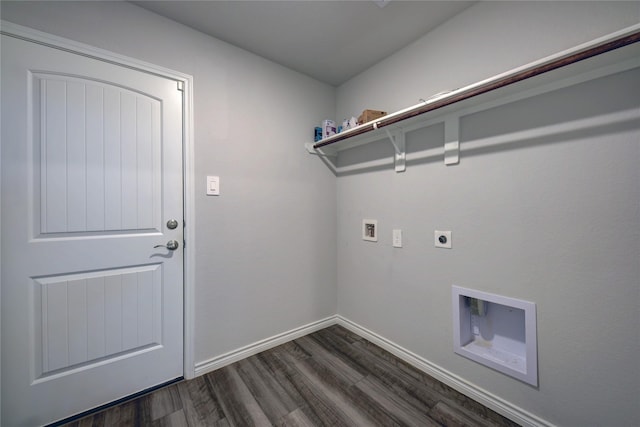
[(91, 175)]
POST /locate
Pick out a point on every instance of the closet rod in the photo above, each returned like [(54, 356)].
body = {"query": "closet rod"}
[(492, 84)]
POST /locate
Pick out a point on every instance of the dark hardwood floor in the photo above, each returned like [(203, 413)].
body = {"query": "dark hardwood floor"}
[(329, 378)]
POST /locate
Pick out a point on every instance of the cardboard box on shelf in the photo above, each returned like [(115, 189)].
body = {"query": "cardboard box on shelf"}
[(368, 115)]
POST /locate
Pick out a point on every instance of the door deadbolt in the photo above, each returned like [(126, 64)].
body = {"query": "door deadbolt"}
[(171, 224)]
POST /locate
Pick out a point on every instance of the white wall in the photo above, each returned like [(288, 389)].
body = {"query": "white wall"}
[(265, 254), (549, 218)]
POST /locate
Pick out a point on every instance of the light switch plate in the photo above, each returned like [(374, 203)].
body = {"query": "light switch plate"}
[(442, 239), (213, 185)]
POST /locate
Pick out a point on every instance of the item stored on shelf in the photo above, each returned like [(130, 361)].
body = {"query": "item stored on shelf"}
[(368, 115), (328, 128), (317, 136), (349, 123)]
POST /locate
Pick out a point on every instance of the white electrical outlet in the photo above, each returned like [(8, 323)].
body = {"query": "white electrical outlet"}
[(370, 230), (397, 238), (442, 239)]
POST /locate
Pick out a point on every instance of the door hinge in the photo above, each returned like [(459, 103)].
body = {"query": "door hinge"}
[(181, 86)]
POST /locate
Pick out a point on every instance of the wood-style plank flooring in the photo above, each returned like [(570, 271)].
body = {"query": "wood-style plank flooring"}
[(329, 378)]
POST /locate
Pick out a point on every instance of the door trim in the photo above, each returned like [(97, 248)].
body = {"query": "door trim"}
[(186, 80)]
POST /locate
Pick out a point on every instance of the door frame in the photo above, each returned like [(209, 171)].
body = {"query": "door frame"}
[(188, 166)]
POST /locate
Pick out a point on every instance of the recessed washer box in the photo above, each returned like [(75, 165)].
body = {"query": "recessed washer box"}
[(496, 331), (370, 230)]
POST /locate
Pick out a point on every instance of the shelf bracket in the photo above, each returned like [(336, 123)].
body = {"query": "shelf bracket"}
[(317, 151), (400, 155), (452, 140)]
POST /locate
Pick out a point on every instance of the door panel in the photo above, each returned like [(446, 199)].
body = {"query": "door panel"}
[(100, 156), (86, 317), (91, 172)]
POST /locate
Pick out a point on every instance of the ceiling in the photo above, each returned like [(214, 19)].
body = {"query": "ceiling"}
[(331, 41)]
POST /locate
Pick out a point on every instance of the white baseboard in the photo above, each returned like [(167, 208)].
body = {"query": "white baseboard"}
[(262, 345), (487, 399)]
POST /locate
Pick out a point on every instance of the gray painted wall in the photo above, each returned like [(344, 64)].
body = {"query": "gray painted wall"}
[(548, 217), (265, 254)]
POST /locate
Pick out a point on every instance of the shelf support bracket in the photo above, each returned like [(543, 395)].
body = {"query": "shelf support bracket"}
[(452, 141), (317, 151), (400, 154)]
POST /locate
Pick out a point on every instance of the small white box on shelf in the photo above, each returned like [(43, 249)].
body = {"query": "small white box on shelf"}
[(328, 128)]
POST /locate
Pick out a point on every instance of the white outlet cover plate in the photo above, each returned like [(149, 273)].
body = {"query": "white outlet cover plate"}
[(442, 239)]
